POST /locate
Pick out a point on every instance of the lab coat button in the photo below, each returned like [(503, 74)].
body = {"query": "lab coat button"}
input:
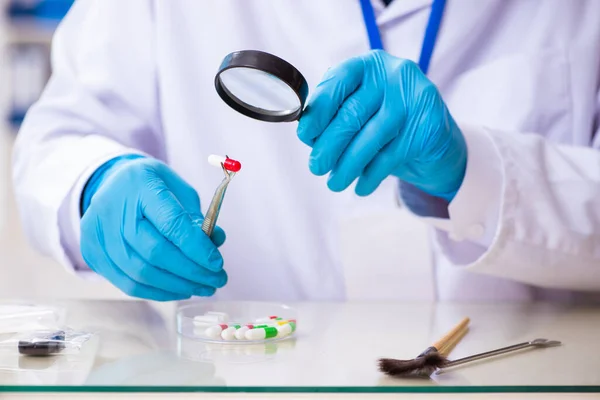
[(476, 231)]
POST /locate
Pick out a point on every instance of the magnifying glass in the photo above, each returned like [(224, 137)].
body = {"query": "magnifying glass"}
[(261, 86)]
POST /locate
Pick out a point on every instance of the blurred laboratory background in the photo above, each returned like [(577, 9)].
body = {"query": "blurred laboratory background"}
[(26, 28)]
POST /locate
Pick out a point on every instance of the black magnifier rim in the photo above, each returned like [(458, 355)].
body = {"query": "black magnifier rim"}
[(270, 64)]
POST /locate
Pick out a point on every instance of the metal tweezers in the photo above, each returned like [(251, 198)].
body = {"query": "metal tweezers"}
[(210, 219)]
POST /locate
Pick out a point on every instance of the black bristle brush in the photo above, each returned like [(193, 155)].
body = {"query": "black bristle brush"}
[(428, 361)]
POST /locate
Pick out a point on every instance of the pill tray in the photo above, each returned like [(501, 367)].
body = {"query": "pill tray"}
[(238, 313)]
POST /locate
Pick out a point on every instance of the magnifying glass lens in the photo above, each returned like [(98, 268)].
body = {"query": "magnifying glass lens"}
[(261, 86), (260, 90)]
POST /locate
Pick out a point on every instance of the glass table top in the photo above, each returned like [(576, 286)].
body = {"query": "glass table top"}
[(336, 349)]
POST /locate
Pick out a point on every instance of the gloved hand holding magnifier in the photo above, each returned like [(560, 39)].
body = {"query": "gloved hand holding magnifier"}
[(371, 117)]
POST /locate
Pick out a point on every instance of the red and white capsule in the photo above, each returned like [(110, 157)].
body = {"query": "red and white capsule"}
[(228, 163)]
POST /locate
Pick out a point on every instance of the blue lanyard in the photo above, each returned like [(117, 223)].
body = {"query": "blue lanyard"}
[(433, 26)]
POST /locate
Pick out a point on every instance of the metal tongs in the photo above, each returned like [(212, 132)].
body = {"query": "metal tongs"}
[(210, 219), (536, 343)]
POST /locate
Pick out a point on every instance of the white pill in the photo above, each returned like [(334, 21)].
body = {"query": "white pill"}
[(218, 313), (240, 334), (255, 334), (284, 330), (229, 333), (214, 332), (221, 316), (215, 160), (206, 319), (200, 331), (265, 320)]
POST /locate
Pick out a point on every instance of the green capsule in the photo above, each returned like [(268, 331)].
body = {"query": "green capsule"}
[(270, 332), (261, 333), (293, 325)]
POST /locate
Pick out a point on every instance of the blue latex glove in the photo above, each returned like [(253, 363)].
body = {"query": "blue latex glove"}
[(377, 115), (141, 230)]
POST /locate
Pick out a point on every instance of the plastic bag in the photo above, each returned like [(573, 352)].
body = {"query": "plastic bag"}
[(44, 342), (22, 317)]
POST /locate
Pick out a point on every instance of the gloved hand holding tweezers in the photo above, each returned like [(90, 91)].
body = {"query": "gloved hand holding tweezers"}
[(230, 167)]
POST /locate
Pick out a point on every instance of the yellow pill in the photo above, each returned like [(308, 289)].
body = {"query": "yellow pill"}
[(286, 321)]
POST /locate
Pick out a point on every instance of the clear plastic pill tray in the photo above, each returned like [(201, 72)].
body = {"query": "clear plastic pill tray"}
[(207, 321)]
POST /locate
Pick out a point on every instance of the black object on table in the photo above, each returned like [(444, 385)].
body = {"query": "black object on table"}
[(43, 346)]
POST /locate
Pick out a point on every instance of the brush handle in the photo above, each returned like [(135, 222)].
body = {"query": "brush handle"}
[(449, 345), (448, 336)]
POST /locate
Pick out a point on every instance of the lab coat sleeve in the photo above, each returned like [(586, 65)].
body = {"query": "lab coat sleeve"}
[(100, 102), (528, 210)]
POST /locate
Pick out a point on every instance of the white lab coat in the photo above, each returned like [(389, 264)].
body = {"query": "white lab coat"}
[(520, 77)]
